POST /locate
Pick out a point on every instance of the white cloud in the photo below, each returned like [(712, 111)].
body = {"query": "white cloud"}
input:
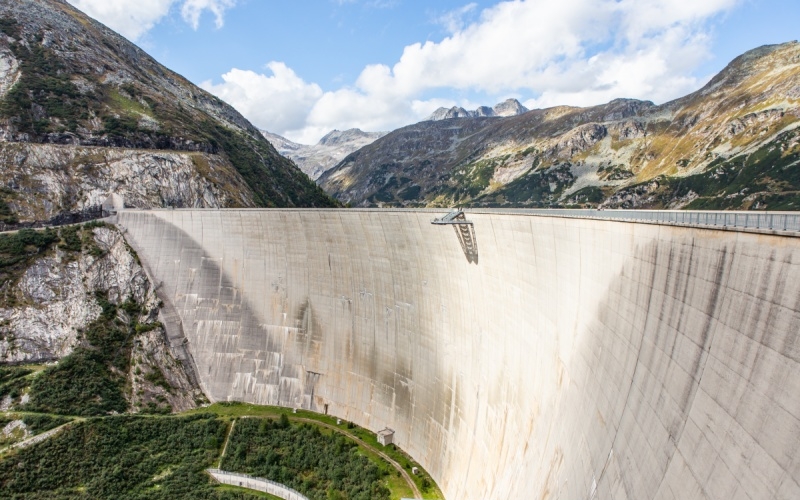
[(134, 19), (453, 21), (131, 19), (279, 102), (192, 9), (576, 52)]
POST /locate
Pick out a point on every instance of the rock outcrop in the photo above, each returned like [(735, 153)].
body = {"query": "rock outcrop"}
[(56, 298)]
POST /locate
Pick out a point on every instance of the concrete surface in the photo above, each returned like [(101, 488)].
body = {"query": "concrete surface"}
[(574, 359)]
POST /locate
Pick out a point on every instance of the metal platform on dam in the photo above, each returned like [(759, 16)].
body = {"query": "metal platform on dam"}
[(574, 358)]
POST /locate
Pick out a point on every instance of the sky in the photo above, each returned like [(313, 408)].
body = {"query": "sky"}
[(303, 68)]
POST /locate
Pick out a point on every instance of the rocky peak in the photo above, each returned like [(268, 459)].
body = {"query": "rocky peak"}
[(338, 137), (509, 107)]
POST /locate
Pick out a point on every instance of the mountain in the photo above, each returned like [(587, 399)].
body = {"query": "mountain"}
[(330, 150), (85, 113), (509, 107), (734, 144)]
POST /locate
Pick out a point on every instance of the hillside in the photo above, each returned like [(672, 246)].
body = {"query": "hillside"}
[(732, 144), (85, 113)]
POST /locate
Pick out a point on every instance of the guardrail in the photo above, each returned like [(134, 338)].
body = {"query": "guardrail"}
[(256, 483), (771, 221), (767, 221)]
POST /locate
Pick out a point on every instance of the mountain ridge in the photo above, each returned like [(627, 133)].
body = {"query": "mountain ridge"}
[(509, 107), (67, 80), (314, 160), (625, 153)]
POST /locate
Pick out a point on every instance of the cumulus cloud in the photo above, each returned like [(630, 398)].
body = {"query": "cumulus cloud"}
[(280, 101), (134, 19)]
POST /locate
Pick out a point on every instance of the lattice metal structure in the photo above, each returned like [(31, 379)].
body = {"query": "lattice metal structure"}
[(465, 232)]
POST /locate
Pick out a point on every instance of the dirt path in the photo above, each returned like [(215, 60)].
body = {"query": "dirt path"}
[(36, 439), (227, 438)]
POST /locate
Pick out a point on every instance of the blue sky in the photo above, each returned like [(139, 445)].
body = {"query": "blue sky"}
[(303, 68)]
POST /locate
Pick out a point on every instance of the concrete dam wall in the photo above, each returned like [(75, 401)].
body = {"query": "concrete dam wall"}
[(550, 358)]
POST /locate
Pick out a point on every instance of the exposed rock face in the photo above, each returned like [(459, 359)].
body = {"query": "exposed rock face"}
[(509, 107), (66, 79), (731, 144), (56, 301), (46, 179), (151, 356), (330, 150), (57, 293)]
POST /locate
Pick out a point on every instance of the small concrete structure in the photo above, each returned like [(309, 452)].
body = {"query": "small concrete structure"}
[(113, 204), (386, 436)]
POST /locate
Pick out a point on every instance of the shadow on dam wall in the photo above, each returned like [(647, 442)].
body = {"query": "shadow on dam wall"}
[(577, 359)]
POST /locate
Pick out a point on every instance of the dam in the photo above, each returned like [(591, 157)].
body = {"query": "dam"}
[(546, 358)]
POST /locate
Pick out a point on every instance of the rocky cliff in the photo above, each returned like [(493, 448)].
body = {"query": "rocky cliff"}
[(116, 114), (733, 144), (51, 296)]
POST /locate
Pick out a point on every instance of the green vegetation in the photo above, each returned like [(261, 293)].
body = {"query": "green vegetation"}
[(537, 188), (33, 424), (138, 457), (44, 99), (121, 458), (767, 179), (91, 380), (274, 182), (7, 216), (17, 252), (13, 381), (300, 456), (591, 195), (397, 484)]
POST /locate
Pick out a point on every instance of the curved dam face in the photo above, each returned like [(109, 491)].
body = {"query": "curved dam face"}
[(557, 358)]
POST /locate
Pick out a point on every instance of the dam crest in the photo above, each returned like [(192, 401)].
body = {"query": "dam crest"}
[(536, 357)]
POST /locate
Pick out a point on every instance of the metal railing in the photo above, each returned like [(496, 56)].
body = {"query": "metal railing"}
[(277, 489), (769, 221)]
